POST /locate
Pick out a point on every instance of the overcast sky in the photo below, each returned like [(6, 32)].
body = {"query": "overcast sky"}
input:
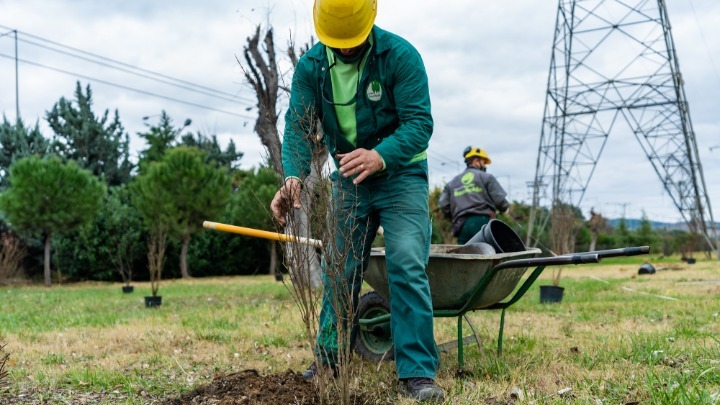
[(487, 63)]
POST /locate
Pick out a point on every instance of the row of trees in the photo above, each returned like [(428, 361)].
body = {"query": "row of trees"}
[(76, 202), (100, 145)]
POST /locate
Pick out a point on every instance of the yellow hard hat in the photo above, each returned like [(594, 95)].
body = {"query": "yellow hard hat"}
[(344, 23), (472, 151)]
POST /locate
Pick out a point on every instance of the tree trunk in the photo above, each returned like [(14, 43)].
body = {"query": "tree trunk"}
[(48, 239), (593, 241), (273, 258), (183, 256), (314, 265)]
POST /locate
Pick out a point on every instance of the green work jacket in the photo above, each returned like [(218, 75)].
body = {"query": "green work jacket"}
[(392, 108)]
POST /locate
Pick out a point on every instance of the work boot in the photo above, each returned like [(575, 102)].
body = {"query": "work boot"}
[(314, 370), (421, 389)]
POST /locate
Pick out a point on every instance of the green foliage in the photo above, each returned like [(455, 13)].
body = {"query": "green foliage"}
[(622, 235), (95, 143), (218, 253), (644, 235), (213, 253), (164, 136), (110, 247), (159, 138), (181, 191), (251, 201), (194, 189), (49, 196), (124, 232), (582, 238), (441, 226), (518, 216), (230, 158), (17, 142)]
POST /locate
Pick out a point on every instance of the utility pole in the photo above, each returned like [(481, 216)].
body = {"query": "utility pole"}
[(17, 82), (17, 85), (624, 208)]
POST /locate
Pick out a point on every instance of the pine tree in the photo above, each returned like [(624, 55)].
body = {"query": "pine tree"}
[(645, 235), (95, 143), (17, 142), (47, 196), (179, 192)]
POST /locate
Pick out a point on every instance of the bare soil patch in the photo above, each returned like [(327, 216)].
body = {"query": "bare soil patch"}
[(249, 387)]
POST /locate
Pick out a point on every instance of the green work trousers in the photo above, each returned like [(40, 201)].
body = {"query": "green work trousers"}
[(471, 226), (398, 202)]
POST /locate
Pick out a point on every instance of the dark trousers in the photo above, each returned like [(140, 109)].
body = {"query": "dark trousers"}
[(471, 226)]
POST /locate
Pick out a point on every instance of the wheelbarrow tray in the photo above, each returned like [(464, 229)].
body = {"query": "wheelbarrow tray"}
[(453, 276)]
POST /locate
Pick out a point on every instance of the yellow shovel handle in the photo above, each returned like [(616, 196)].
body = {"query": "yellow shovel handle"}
[(257, 233)]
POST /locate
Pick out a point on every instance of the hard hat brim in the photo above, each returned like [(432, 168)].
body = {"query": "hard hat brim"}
[(342, 43)]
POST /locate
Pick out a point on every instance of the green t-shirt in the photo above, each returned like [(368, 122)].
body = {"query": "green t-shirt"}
[(345, 79)]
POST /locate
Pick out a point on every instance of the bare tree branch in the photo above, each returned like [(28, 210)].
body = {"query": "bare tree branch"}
[(263, 77)]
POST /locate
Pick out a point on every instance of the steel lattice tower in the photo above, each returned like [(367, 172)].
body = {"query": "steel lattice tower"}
[(614, 61)]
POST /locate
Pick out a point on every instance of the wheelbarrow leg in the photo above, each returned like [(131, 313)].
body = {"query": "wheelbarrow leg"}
[(476, 336), (461, 359), (500, 335)]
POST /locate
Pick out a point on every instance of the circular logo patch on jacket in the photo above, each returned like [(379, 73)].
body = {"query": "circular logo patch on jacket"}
[(374, 91), (467, 179)]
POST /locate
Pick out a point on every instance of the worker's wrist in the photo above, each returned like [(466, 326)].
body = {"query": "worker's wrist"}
[(293, 179)]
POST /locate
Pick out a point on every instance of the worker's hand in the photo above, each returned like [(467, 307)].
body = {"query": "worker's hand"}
[(286, 198), (362, 162)]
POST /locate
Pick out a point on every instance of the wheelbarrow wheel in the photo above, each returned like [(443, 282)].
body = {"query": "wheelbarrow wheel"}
[(374, 342)]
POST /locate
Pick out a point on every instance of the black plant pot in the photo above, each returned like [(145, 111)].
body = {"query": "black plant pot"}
[(153, 301), (551, 293), (278, 277), (127, 289), (690, 260)]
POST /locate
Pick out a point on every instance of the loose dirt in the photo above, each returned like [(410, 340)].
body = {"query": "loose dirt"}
[(249, 387)]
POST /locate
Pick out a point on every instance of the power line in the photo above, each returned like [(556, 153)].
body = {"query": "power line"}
[(447, 159), (114, 61), (189, 88), (127, 87)]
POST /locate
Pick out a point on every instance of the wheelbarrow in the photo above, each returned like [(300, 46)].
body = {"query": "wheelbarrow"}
[(460, 283), (462, 278)]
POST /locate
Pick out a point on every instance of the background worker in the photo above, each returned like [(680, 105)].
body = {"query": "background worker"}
[(369, 90), (471, 198)]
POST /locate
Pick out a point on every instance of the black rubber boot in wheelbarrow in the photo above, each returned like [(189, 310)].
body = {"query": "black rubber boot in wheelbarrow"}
[(421, 389), (313, 371)]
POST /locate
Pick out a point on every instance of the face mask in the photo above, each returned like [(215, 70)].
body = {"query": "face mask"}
[(353, 58)]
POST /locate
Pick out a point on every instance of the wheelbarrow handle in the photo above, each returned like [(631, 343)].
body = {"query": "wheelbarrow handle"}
[(628, 251), (577, 258)]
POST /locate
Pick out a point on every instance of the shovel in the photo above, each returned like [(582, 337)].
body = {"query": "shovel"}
[(257, 233)]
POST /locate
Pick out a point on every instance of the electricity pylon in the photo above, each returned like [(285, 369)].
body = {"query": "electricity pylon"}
[(614, 62)]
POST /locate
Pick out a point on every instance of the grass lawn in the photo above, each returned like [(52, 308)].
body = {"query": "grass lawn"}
[(616, 338)]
